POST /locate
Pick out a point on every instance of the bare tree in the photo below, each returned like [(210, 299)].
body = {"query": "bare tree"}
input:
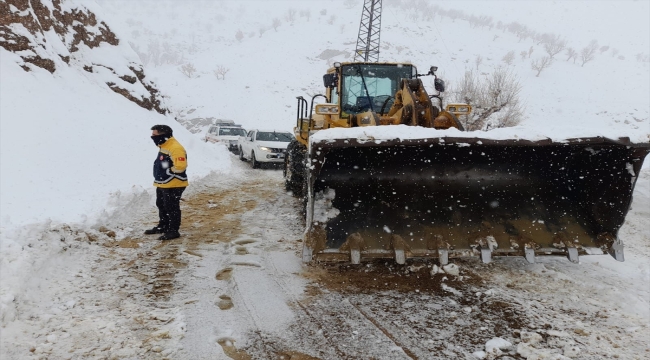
[(603, 49), (276, 23), (540, 64), (571, 53), (305, 13), (553, 45), (495, 99), (290, 16), (530, 52), (331, 19), (188, 70), (509, 57), (524, 55), (589, 52), (323, 12), (262, 30), (220, 72), (239, 35), (478, 61)]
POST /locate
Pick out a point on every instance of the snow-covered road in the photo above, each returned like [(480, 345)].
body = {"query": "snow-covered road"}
[(234, 287)]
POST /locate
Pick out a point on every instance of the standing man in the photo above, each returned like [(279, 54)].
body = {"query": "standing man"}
[(170, 181)]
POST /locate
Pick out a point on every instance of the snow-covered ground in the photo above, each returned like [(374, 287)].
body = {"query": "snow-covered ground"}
[(79, 281)]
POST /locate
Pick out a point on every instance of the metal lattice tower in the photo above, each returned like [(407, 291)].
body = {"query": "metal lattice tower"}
[(368, 40)]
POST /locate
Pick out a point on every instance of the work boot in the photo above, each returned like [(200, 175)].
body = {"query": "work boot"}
[(154, 230), (170, 235)]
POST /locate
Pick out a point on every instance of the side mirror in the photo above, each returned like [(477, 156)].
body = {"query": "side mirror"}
[(330, 80), (439, 84)]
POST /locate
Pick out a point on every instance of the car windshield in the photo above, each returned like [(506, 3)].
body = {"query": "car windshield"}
[(368, 86), (274, 136), (232, 131)]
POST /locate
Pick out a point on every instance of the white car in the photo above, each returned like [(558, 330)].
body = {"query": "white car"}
[(225, 132), (264, 146)]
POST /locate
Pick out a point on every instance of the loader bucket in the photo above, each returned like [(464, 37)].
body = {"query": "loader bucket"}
[(457, 197)]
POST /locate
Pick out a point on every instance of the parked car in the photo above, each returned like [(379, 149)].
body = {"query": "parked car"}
[(225, 132), (264, 146)]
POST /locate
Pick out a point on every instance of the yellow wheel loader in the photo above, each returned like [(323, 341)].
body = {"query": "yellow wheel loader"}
[(383, 174)]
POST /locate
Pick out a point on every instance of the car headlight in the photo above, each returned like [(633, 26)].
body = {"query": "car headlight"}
[(264, 148)]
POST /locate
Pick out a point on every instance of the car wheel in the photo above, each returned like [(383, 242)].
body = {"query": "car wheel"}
[(254, 162), (241, 155)]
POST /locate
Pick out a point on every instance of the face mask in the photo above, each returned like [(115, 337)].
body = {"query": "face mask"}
[(160, 139)]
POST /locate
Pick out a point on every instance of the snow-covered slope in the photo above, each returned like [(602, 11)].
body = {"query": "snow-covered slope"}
[(70, 136), (268, 67)]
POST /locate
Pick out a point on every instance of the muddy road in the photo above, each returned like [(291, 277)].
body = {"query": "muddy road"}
[(233, 287)]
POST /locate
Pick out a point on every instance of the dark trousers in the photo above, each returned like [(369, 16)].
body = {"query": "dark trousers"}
[(169, 208)]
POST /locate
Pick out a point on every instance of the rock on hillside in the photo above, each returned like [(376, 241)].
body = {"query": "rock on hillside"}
[(50, 34)]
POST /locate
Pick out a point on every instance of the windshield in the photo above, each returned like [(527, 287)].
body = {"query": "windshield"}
[(232, 131), (368, 86), (274, 136)]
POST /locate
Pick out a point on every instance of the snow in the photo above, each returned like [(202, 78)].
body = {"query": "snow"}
[(74, 156)]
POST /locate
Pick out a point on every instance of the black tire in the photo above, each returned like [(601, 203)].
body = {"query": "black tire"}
[(241, 155), (254, 163), (294, 168)]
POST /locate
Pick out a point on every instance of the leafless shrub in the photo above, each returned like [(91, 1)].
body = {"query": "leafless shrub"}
[(540, 64), (262, 30), (509, 57), (478, 61), (276, 23), (323, 12), (220, 72), (350, 4), (642, 57), (188, 70), (571, 53), (589, 52), (239, 35), (342, 28), (524, 55), (290, 16), (331, 20), (306, 14), (495, 99), (614, 52), (553, 45), (603, 48), (530, 52)]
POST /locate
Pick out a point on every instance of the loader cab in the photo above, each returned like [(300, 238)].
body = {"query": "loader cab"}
[(369, 86)]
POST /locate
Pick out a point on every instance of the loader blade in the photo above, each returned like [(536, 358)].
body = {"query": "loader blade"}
[(456, 197)]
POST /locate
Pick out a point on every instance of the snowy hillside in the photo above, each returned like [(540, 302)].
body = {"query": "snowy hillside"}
[(83, 81), (275, 51)]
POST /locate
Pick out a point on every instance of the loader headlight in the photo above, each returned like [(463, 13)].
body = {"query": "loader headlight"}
[(264, 148), (327, 109)]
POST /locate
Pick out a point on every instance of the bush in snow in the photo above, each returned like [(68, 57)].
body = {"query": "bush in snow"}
[(540, 64), (276, 23), (494, 99), (306, 14), (588, 53), (239, 35), (553, 45), (571, 53), (524, 55), (478, 61), (614, 52), (220, 72), (262, 30), (290, 16), (331, 20), (509, 57), (603, 48), (323, 12), (642, 57), (188, 70)]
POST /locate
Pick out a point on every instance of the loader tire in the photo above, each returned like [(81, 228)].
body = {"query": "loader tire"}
[(294, 168)]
